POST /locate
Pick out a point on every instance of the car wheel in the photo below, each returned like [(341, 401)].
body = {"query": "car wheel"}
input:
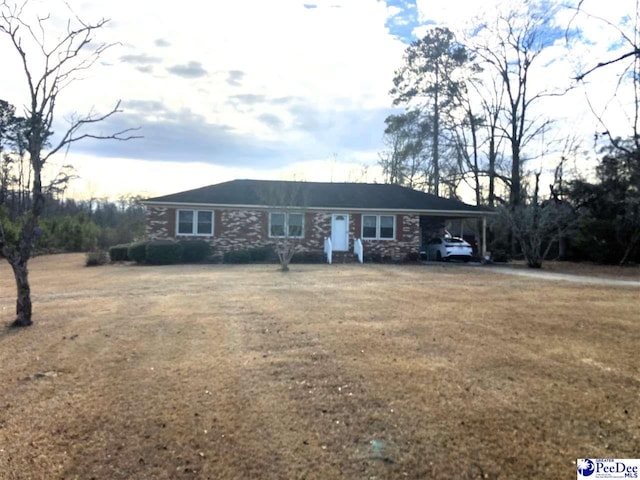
[(438, 256)]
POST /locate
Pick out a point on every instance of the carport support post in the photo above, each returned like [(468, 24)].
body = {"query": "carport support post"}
[(484, 237)]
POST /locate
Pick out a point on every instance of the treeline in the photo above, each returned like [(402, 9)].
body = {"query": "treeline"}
[(81, 226), (596, 220), (607, 210), (478, 117), (64, 225)]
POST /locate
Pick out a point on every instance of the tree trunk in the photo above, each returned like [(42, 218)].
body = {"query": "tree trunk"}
[(514, 198), (476, 168), (492, 169), (562, 245), (436, 136), (23, 302), (285, 251), (635, 238)]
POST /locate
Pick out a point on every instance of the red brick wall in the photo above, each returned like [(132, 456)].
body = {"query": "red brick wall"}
[(241, 229)]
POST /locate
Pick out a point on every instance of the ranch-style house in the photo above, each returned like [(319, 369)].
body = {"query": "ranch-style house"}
[(386, 220)]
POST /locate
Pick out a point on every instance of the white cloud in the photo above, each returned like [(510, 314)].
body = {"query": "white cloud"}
[(120, 176), (325, 54), (333, 60), (114, 177), (303, 82), (454, 14), (556, 68)]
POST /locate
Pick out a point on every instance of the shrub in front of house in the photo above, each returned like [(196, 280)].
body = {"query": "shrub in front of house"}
[(237, 256), (412, 257), (119, 253), (137, 252), (499, 255), (96, 258), (194, 251), (163, 253), (377, 258), (263, 254), (308, 257)]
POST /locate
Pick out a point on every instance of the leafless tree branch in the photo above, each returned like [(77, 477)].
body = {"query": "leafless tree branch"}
[(71, 136), (635, 51), (59, 65)]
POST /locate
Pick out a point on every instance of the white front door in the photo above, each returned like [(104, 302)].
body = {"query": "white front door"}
[(340, 232)]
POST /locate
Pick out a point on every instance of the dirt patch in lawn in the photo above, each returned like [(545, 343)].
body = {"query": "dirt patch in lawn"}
[(342, 371)]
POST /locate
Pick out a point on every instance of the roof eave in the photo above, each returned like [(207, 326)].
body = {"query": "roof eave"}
[(454, 213)]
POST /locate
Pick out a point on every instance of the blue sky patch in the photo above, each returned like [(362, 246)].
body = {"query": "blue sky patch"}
[(402, 23)]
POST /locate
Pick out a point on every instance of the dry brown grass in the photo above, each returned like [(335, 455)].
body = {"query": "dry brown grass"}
[(627, 272), (343, 371)]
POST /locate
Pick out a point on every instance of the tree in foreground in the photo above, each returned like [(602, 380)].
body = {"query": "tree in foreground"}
[(286, 222), (49, 65), (537, 223)]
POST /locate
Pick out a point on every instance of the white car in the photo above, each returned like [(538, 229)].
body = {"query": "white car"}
[(447, 248)]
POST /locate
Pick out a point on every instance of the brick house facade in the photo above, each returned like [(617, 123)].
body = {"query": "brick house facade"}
[(238, 215)]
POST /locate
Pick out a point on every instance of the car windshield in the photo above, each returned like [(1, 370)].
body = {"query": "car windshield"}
[(454, 240)]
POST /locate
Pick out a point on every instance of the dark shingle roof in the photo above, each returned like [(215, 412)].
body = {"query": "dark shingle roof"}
[(316, 195)]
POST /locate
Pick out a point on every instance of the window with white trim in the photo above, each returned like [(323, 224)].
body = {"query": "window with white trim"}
[(378, 227), (195, 222), (283, 225)]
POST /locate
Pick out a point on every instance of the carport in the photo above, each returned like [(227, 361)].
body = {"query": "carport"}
[(466, 222)]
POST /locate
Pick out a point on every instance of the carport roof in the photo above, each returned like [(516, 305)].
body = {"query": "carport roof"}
[(318, 195)]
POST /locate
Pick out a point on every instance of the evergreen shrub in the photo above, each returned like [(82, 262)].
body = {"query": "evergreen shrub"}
[(237, 256), (137, 252), (119, 253), (194, 251), (163, 253)]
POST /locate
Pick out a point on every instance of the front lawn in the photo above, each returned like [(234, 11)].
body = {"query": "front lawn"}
[(341, 371)]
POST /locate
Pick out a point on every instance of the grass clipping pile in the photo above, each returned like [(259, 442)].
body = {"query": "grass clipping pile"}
[(350, 371)]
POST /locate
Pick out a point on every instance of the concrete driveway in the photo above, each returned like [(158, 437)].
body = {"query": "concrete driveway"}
[(564, 277), (541, 274)]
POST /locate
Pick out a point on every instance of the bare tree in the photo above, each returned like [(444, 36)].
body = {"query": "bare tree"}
[(619, 170), (49, 67), (631, 50), (529, 225), (625, 69), (287, 207), (491, 98), (466, 139), (511, 45)]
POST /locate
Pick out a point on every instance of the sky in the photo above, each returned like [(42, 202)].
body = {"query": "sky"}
[(285, 89)]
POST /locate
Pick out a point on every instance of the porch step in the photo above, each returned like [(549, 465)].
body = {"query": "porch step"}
[(344, 257)]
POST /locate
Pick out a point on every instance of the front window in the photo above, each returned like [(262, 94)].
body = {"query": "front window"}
[(195, 222), (277, 225), (386, 226), (185, 222), (294, 224), (378, 227), (289, 225), (369, 226), (205, 223)]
